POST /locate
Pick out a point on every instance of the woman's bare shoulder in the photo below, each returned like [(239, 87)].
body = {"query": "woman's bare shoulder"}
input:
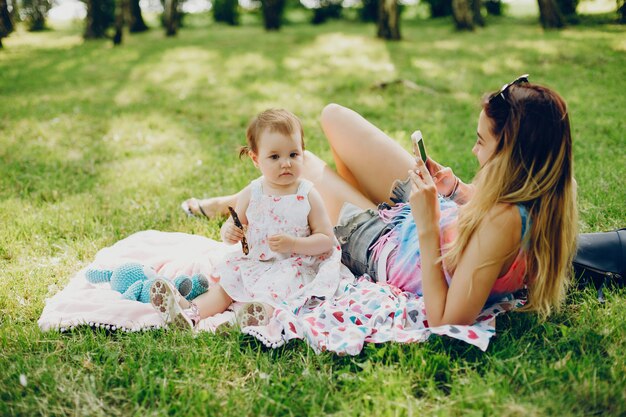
[(503, 224)]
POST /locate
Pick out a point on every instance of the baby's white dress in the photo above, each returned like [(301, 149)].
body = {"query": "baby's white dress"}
[(274, 278)]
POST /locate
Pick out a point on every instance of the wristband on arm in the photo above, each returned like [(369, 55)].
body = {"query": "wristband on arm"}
[(455, 189)]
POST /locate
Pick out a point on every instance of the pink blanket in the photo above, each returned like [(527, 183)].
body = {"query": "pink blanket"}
[(360, 312)]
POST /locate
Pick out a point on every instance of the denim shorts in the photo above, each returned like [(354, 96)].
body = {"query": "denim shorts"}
[(357, 230)]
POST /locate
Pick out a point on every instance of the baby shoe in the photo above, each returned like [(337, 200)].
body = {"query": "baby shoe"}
[(254, 314), (167, 301)]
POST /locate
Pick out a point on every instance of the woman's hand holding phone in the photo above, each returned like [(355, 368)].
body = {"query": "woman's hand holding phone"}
[(443, 177), (418, 145)]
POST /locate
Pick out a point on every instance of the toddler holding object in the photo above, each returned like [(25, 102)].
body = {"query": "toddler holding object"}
[(289, 233)]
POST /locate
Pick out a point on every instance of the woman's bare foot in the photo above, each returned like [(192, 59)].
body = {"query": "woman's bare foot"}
[(211, 207)]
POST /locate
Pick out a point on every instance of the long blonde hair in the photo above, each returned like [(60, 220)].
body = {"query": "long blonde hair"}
[(532, 166)]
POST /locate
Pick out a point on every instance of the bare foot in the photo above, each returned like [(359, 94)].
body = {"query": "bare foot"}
[(211, 207)]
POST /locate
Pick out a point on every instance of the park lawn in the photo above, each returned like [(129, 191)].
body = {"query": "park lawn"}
[(97, 143)]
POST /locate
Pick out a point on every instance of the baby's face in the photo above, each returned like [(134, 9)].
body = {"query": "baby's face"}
[(279, 157)]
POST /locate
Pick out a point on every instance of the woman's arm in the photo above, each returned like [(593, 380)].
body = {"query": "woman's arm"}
[(319, 241), (448, 184), (482, 261)]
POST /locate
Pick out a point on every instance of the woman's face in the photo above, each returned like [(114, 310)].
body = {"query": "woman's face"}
[(485, 143)]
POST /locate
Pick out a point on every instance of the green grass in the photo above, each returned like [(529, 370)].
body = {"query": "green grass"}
[(99, 142)]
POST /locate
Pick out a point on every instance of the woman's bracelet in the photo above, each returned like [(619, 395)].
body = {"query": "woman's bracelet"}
[(452, 195)]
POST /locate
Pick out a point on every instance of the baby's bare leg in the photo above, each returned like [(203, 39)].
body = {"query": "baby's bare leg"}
[(212, 302)]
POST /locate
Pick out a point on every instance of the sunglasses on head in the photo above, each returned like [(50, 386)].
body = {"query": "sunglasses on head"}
[(522, 79)]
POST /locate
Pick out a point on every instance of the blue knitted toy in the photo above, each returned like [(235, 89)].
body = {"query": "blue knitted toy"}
[(133, 281)]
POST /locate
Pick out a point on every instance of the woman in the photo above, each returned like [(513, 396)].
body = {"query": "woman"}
[(514, 226)]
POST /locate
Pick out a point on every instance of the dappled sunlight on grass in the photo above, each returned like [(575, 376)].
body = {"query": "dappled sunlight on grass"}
[(338, 55), (281, 94), (620, 46), (154, 151), (540, 46), (142, 174), (248, 64), (23, 40), (449, 45), (371, 100), (492, 66), (146, 133), (179, 71)]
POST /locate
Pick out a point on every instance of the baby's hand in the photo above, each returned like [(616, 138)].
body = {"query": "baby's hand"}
[(282, 243), (231, 234)]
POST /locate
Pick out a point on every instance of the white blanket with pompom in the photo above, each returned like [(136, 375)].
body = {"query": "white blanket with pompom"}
[(361, 311)]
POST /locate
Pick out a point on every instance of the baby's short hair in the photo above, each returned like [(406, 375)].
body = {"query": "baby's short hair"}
[(276, 120)]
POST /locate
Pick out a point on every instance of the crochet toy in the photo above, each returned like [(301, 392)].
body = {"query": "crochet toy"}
[(133, 281)]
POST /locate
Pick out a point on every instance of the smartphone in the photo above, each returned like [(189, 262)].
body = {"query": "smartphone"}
[(418, 145)]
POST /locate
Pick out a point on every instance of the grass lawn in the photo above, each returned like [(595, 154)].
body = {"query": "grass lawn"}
[(97, 143)]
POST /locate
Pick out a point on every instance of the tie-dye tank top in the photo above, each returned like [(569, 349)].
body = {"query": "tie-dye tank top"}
[(403, 265)]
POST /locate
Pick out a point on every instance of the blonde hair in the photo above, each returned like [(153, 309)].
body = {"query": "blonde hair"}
[(532, 166), (274, 120)]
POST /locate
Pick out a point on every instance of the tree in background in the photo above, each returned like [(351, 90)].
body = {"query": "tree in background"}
[(368, 12), (14, 10), (6, 23), (440, 8), (549, 14), (272, 13), (100, 17), (494, 7), (388, 20), (327, 9), (226, 11), (621, 11), (35, 12), (120, 11), (462, 14), (171, 17), (477, 6), (567, 7), (134, 18)]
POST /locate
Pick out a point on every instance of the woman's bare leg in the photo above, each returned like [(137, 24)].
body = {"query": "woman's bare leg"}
[(334, 189), (365, 156)]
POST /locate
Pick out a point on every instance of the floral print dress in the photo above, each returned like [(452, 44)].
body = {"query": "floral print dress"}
[(274, 278)]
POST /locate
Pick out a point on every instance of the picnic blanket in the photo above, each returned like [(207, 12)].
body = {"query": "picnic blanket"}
[(361, 311)]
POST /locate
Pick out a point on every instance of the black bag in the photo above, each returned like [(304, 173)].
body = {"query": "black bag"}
[(600, 260)]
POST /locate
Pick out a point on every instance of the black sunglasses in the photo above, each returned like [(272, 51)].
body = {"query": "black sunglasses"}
[(519, 80)]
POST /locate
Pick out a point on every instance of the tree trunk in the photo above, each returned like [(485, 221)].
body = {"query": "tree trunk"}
[(549, 14), (170, 17), (37, 15), (134, 18), (477, 6), (120, 8), (621, 11), (462, 15), (388, 20), (272, 13), (100, 16), (6, 23), (15, 16)]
